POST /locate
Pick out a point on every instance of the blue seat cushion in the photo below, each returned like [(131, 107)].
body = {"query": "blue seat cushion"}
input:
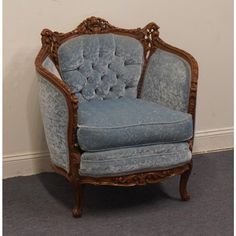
[(127, 122), (134, 159)]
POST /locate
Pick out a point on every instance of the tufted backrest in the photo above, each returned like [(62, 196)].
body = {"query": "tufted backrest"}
[(101, 66)]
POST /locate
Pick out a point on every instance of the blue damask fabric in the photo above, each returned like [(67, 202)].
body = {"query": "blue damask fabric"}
[(134, 159), (101, 66), (126, 122), (55, 118), (167, 81)]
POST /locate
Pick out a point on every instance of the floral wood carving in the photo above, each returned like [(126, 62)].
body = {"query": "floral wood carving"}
[(94, 25), (138, 178), (51, 40), (149, 38)]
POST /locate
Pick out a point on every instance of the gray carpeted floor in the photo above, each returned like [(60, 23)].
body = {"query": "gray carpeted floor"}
[(41, 205)]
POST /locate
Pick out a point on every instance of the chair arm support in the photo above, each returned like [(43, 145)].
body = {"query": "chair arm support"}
[(171, 79), (59, 112), (194, 74), (193, 82)]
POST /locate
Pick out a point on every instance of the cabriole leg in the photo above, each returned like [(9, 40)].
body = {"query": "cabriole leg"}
[(183, 184), (77, 210)]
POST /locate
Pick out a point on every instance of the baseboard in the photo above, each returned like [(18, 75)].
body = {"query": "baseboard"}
[(213, 140), (25, 164), (34, 163)]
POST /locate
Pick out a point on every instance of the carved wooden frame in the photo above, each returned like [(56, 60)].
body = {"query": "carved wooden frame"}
[(149, 37)]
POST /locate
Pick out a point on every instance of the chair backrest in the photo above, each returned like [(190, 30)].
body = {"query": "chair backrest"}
[(101, 66), (100, 61)]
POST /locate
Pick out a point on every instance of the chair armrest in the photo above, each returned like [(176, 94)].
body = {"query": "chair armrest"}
[(171, 79), (167, 80), (59, 112)]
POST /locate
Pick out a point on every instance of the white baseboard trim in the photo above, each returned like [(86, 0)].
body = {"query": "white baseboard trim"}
[(26, 164), (34, 163), (213, 140)]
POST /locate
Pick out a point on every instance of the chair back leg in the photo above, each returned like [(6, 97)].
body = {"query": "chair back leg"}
[(183, 184)]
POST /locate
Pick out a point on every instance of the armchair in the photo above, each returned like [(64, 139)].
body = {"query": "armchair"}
[(118, 106)]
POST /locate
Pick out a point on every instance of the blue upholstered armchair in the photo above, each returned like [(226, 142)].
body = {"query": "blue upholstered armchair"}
[(118, 106)]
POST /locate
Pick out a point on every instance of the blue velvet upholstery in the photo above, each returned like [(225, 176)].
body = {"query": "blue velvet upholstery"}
[(119, 133), (123, 122), (101, 66), (131, 160), (55, 118), (167, 80)]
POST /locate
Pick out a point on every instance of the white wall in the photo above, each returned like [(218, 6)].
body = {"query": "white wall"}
[(204, 28)]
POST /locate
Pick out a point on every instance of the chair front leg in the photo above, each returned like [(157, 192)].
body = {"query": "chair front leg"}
[(76, 184), (183, 184), (78, 192)]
